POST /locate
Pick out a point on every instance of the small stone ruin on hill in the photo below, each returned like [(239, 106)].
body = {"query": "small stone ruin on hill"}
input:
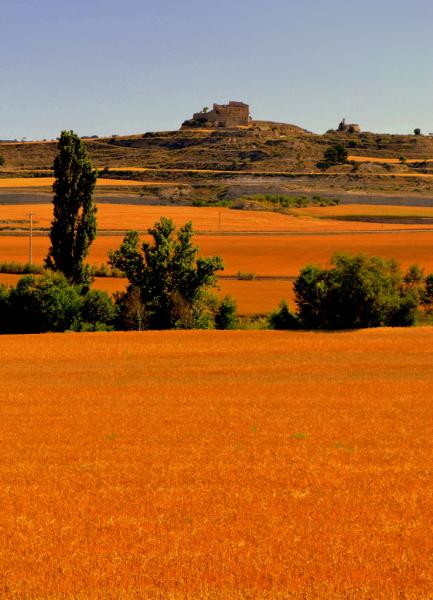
[(344, 127), (231, 115)]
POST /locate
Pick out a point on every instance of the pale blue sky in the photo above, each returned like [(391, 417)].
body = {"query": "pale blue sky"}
[(104, 66)]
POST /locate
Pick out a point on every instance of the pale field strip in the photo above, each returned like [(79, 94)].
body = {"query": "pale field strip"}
[(207, 465)]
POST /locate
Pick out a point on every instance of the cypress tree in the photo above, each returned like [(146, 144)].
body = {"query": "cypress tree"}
[(73, 227)]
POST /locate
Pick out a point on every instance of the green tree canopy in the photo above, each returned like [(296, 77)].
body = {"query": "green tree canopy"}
[(46, 303), (334, 155), (73, 228), (358, 291), (174, 282)]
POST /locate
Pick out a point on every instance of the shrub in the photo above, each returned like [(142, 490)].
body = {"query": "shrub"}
[(283, 318), (334, 155), (4, 308), (359, 291), (97, 311), (226, 317), (21, 268), (245, 276), (46, 303)]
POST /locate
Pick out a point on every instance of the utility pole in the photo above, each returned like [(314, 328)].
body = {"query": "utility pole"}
[(30, 238)]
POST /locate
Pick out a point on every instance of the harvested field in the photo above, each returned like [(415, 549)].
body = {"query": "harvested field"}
[(217, 465), (35, 182), (120, 217), (267, 255)]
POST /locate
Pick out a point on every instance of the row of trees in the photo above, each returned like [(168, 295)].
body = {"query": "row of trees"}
[(169, 285)]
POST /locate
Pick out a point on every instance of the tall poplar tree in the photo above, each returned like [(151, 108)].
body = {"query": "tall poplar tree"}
[(73, 227)]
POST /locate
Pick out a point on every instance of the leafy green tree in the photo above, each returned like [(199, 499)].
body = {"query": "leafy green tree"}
[(427, 294), (283, 318), (359, 291), (97, 311), (174, 283), (226, 317), (44, 303), (73, 228), (5, 320), (334, 155)]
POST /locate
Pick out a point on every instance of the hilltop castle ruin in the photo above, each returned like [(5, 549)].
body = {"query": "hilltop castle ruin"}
[(231, 115), (348, 127)]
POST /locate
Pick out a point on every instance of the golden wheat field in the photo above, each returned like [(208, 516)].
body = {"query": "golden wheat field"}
[(217, 465), (262, 254), (122, 217), (39, 182)]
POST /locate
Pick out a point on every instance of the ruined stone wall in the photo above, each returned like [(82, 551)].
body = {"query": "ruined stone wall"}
[(233, 114)]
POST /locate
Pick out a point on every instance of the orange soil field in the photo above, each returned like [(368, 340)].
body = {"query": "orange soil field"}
[(35, 182), (217, 465), (262, 254), (122, 217), (252, 297)]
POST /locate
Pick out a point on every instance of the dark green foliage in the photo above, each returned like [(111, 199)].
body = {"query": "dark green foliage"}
[(427, 294), (334, 155), (4, 308), (359, 291), (172, 280), (97, 311), (20, 268), (50, 303), (73, 228), (2, 161), (46, 303), (285, 201), (417, 131), (225, 316), (25, 268), (283, 318)]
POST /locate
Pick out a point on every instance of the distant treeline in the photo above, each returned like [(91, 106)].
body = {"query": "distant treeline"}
[(358, 291)]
